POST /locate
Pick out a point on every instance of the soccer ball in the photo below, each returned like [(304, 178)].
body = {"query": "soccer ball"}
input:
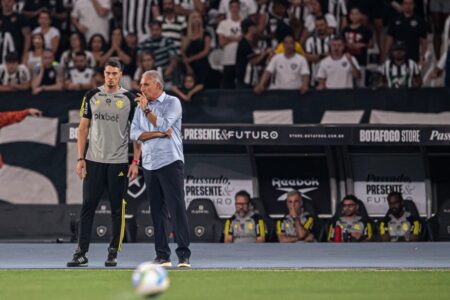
[(150, 280)]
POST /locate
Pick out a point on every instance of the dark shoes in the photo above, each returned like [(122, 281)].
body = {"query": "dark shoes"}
[(111, 260), (79, 260), (163, 262), (184, 263)]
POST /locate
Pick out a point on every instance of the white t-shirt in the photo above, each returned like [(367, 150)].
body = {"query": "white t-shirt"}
[(337, 73), (80, 77), (21, 75), (287, 72), (310, 22), (248, 7), (86, 14), (48, 37), (229, 28)]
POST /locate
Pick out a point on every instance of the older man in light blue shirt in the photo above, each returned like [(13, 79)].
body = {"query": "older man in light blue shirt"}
[(157, 125)]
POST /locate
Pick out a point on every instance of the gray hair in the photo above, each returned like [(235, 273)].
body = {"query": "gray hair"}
[(156, 76)]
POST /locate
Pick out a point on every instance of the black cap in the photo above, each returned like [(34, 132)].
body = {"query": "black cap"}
[(399, 45)]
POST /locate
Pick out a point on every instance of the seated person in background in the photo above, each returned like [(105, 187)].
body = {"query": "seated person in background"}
[(80, 76), (189, 88), (399, 71), (352, 226), (399, 225), (14, 77), (245, 226), (297, 225), (98, 79), (289, 69), (48, 75), (339, 69), (146, 63)]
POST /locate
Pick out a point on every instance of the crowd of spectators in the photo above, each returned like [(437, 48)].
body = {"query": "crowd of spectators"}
[(51, 45)]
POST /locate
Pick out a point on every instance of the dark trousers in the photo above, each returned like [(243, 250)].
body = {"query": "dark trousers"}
[(165, 189), (98, 177), (229, 77)]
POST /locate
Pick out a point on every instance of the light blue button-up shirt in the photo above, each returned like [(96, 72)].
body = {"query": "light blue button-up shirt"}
[(160, 152)]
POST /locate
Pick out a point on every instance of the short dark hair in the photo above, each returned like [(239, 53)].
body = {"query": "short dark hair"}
[(157, 23), (394, 194), (234, 1), (112, 62), (338, 39), (242, 193), (11, 58), (246, 24), (80, 53), (351, 198), (321, 18)]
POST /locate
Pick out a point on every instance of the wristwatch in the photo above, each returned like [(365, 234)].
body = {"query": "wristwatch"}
[(147, 111)]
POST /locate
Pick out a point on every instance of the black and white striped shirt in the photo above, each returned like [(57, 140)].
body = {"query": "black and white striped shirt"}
[(400, 76), (173, 29), (338, 9), (319, 46), (6, 45), (137, 16), (299, 12), (21, 75), (163, 49)]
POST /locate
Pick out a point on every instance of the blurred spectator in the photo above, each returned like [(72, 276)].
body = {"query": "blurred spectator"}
[(248, 59), (439, 9), (318, 47), (298, 11), (131, 44), (246, 8), (6, 45), (17, 25), (337, 70), (297, 225), (289, 70), (79, 77), (146, 63), (245, 226), (173, 26), (186, 7), (399, 225), (163, 49), (48, 76), (77, 43), (92, 16), (33, 9), (316, 11), (229, 32), (196, 48), (373, 13), (51, 34), (97, 46), (116, 21), (188, 89), (137, 17), (14, 76), (33, 57), (98, 79), (338, 8), (274, 25), (399, 71), (443, 65), (352, 225), (410, 29), (358, 38), (118, 48)]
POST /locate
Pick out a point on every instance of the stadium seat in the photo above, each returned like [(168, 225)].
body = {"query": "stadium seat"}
[(439, 226), (204, 223), (259, 208)]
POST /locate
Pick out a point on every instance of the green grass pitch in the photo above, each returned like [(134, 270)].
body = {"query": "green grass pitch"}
[(88, 284)]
